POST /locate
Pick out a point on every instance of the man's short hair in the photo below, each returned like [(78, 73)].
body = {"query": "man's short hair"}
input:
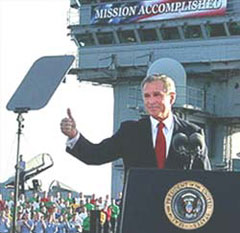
[(168, 82)]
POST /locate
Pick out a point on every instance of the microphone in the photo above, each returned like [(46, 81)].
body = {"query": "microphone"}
[(181, 146), (180, 143), (189, 147), (197, 140), (197, 144)]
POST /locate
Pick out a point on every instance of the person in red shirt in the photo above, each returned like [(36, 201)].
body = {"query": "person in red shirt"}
[(45, 197), (107, 224), (2, 203), (93, 199)]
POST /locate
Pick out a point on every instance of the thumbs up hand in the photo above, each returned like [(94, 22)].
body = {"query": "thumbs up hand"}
[(68, 125)]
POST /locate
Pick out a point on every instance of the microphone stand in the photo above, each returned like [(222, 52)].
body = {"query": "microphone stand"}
[(190, 162), (195, 153), (184, 152)]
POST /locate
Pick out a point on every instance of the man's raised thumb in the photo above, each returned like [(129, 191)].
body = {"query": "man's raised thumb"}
[(69, 114)]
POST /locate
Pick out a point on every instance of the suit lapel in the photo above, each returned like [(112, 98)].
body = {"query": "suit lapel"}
[(176, 125), (171, 159), (146, 140)]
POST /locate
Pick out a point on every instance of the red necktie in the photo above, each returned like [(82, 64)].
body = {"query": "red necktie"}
[(160, 147)]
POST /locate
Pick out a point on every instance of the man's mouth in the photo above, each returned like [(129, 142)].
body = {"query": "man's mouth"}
[(153, 108)]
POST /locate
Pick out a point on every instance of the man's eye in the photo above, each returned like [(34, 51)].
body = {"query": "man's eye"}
[(156, 94), (146, 95)]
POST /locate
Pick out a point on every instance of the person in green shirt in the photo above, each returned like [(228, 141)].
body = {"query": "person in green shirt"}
[(115, 211), (50, 204), (34, 198), (89, 205), (86, 224), (69, 198)]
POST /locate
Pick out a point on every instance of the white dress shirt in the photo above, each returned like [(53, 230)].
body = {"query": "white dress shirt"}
[(71, 142), (167, 130)]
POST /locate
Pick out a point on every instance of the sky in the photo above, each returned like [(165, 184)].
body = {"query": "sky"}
[(30, 30)]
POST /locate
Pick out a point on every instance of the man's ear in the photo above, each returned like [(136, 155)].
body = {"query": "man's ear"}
[(172, 97)]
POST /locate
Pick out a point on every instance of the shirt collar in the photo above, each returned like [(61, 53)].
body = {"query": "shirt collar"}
[(168, 122)]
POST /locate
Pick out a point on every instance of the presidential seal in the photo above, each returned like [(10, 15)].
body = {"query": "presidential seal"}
[(189, 205)]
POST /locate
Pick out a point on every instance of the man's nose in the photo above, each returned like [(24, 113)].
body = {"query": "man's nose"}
[(151, 100)]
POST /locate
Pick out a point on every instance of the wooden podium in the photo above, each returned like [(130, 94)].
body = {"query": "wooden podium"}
[(170, 201)]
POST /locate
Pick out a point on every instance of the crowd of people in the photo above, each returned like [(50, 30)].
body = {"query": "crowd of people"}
[(46, 213)]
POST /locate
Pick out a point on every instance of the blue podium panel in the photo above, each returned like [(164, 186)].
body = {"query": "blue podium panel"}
[(169, 201)]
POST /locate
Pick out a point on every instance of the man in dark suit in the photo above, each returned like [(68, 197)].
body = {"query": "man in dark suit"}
[(144, 143)]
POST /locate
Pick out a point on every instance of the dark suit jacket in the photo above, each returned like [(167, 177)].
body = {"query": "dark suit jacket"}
[(133, 143)]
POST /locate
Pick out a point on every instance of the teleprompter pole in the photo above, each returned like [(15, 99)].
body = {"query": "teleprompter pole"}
[(20, 120)]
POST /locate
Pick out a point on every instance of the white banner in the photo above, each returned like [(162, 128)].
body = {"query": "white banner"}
[(116, 13)]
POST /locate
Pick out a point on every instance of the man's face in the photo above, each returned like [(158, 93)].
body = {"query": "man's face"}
[(26, 216), (157, 102)]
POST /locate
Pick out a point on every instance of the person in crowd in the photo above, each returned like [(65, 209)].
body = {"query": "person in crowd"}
[(83, 214), (62, 224), (107, 199), (10, 201), (86, 224), (67, 206), (107, 223), (36, 203), (62, 205), (57, 198), (51, 226), (44, 211), (19, 220), (89, 206), (59, 220), (45, 198), (53, 211), (103, 219), (100, 203), (33, 198), (79, 198), (28, 209), (119, 199), (69, 212), (26, 225), (4, 222), (74, 224), (20, 209), (50, 204), (22, 200), (80, 206), (49, 201), (2, 203), (93, 199), (8, 213), (57, 212), (74, 205), (39, 224), (146, 143), (82, 203), (115, 211), (69, 198)]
